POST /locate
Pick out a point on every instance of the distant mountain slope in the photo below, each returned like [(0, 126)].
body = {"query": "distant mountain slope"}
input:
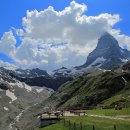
[(36, 77), (108, 54), (49, 82), (75, 71), (24, 73), (15, 97), (84, 90), (53, 80)]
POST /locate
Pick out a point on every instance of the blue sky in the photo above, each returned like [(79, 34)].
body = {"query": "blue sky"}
[(12, 12)]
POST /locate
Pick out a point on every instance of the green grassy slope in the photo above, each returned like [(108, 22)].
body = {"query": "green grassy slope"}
[(104, 89), (58, 126), (89, 122), (109, 112)]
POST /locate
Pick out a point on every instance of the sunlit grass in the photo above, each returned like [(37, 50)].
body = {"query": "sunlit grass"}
[(109, 112), (58, 126), (89, 122)]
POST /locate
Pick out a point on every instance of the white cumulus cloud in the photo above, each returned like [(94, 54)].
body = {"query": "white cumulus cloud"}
[(76, 32), (7, 43)]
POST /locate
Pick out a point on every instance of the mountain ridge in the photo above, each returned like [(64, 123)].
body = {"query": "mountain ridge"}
[(107, 54)]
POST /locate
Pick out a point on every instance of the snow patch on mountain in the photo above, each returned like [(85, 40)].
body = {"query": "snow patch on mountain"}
[(97, 63), (1, 90), (22, 85), (10, 68), (124, 80), (39, 90), (11, 95), (27, 87), (124, 60), (6, 109)]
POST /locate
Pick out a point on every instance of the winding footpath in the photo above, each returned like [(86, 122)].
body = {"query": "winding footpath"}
[(111, 117)]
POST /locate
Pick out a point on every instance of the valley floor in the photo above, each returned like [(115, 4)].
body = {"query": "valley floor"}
[(105, 119)]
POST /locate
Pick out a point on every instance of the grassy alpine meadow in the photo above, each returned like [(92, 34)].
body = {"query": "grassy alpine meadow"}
[(74, 123), (58, 126), (101, 123), (109, 112)]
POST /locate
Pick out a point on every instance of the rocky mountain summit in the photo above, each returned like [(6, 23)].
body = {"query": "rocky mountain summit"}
[(108, 54)]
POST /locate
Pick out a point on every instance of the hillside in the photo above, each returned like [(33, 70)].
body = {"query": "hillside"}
[(17, 97), (91, 91)]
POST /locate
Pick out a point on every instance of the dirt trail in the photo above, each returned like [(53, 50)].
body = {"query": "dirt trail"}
[(108, 117)]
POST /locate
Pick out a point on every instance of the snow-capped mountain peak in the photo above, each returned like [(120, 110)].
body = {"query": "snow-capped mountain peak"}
[(108, 54)]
